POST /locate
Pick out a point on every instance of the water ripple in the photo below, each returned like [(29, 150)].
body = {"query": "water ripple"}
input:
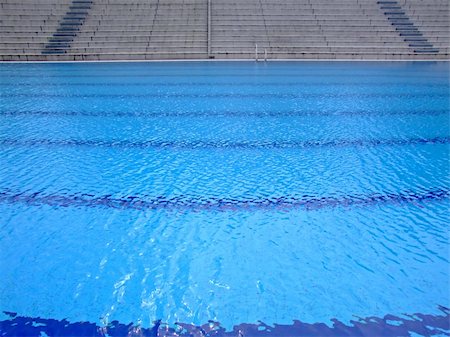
[(262, 113), (389, 325), (223, 144), (232, 95), (200, 203)]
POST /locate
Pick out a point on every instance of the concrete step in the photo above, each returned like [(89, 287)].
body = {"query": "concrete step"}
[(148, 28)]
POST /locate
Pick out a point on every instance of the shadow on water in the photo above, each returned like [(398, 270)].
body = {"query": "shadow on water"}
[(389, 325)]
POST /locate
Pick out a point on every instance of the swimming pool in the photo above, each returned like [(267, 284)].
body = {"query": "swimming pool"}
[(312, 197)]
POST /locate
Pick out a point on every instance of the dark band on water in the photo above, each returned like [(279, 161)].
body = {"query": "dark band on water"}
[(233, 95), (223, 144), (151, 114), (388, 326), (181, 202)]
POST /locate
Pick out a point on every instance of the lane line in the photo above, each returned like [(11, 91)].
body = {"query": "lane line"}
[(254, 83), (223, 144), (235, 95), (143, 114), (186, 202)]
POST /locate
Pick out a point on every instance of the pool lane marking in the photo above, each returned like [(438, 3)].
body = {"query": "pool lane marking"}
[(173, 144), (142, 114), (186, 202), (254, 83), (231, 95), (419, 76)]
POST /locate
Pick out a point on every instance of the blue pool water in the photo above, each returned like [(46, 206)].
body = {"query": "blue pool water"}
[(234, 192)]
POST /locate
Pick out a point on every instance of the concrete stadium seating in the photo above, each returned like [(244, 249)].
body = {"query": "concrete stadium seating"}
[(221, 29)]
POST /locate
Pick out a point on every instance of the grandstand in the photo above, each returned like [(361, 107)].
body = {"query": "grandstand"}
[(223, 29)]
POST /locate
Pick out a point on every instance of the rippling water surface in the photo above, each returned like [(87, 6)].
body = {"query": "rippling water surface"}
[(233, 192)]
